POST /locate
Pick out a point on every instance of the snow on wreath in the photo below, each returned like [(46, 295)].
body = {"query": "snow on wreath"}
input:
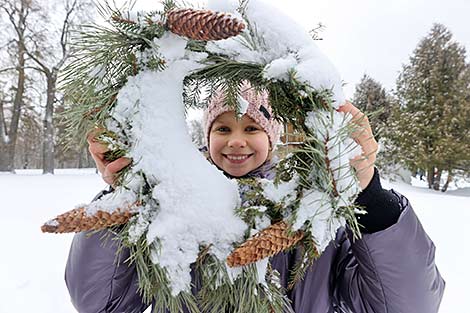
[(134, 79)]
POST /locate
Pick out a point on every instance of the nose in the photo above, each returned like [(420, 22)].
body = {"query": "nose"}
[(236, 141)]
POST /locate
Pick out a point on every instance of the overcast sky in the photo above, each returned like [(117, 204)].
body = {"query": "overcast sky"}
[(377, 37), (372, 36)]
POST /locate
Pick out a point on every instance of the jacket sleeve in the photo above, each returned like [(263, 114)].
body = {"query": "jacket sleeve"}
[(99, 281), (390, 271)]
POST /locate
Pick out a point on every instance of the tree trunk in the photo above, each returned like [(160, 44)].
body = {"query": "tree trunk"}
[(6, 160), (81, 157), (430, 177), (437, 179), (8, 140), (26, 159), (4, 143), (449, 179), (48, 135), (89, 160)]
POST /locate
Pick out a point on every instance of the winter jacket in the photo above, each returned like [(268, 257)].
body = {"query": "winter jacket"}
[(390, 270)]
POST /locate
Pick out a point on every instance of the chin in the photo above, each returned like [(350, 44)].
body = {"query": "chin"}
[(237, 173)]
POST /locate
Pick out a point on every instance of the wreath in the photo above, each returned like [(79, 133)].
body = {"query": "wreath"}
[(134, 80)]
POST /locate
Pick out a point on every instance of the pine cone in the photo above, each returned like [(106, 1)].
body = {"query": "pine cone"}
[(78, 220), (203, 24), (267, 242)]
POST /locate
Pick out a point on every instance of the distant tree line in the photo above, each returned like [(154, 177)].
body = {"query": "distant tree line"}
[(425, 123), (35, 46)]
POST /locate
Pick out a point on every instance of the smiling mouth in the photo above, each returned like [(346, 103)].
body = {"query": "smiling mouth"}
[(239, 158)]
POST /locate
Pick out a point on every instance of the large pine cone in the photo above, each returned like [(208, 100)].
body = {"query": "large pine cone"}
[(267, 242), (78, 220), (203, 24)]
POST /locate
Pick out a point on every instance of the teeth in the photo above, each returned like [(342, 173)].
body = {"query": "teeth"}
[(232, 157)]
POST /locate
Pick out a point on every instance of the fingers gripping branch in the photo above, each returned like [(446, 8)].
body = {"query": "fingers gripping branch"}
[(363, 164)]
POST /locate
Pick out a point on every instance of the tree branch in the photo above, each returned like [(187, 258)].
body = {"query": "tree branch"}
[(22, 17), (65, 34), (65, 28), (19, 67), (43, 68), (7, 69)]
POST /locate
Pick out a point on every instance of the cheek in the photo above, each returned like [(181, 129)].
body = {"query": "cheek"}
[(262, 146), (215, 144)]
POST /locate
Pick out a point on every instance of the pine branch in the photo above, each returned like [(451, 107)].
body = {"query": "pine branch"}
[(245, 294), (308, 255)]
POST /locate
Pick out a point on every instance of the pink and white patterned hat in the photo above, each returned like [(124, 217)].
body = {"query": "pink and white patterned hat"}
[(258, 109)]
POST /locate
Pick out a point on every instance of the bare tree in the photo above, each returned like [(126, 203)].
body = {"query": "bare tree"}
[(17, 13), (49, 61)]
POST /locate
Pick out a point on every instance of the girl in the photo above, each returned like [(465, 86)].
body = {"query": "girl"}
[(391, 269)]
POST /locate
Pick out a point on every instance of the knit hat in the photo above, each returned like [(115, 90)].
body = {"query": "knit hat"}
[(258, 109)]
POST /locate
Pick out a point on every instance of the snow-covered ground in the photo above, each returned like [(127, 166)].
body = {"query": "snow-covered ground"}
[(32, 264)]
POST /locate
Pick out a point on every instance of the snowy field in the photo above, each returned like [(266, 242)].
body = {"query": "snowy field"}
[(32, 263)]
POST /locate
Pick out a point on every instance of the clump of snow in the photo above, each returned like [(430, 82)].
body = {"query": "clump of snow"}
[(171, 46), (315, 207), (279, 68), (140, 226), (196, 202), (261, 222), (260, 208), (243, 105), (120, 199), (282, 192), (52, 222), (134, 15), (283, 46), (261, 268), (223, 6), (331, 128), (233, 272), (112, 143), (317, 71)]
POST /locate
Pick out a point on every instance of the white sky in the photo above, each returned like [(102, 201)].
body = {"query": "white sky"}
[(371, 36)]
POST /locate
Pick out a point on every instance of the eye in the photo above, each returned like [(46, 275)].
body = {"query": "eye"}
[(252, 128), (222, 129)]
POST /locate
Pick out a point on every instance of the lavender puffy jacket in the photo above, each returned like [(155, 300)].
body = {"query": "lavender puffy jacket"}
[(389, 271)]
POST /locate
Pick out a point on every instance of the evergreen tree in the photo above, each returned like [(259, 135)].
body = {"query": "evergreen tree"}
[(430, 129), (371, 98)]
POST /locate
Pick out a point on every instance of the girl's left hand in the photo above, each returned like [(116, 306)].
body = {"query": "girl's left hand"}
[(363, 164)]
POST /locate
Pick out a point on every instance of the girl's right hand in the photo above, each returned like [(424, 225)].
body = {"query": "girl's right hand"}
[(107, 169)]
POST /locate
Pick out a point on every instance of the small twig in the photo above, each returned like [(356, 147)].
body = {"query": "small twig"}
[(328, 167), (120, 19), (88, 114)]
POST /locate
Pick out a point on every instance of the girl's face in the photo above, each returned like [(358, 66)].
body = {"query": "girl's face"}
[(237, 146)]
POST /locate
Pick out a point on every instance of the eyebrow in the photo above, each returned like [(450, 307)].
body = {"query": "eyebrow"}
[(228, 122), (219, 122)]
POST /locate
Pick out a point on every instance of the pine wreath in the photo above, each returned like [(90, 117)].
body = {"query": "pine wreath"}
[(134, 79)]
